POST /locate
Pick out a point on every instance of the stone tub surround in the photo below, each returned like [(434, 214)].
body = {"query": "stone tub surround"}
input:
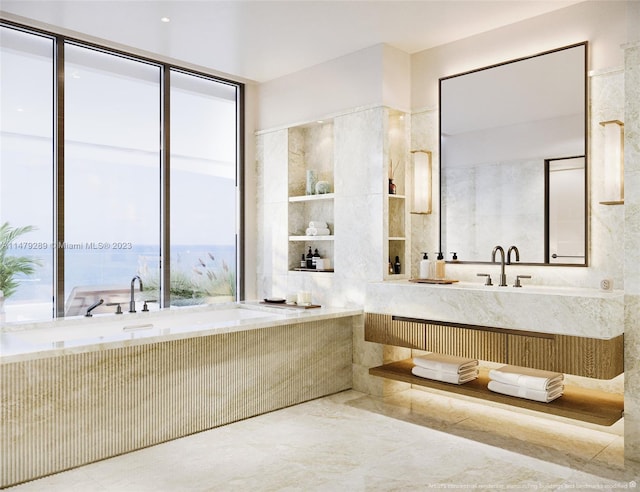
[(54, 338), (102, 400), (577, 312)]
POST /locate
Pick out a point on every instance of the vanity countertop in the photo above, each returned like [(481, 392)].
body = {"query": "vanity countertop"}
[(572, 311)]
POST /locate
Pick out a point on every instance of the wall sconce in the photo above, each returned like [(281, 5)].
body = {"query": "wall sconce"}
[(613, 162), (421, 175)]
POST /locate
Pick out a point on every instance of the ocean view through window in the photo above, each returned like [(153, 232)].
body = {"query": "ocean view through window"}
[(116, 202)]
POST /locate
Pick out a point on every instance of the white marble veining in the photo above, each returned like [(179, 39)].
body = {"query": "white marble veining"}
[(632, 249), (578, 312), (481, 197)]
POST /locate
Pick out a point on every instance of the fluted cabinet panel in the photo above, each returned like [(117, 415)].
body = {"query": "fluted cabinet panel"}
[(581, 356)]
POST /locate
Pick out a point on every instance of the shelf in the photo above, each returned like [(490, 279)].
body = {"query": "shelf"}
[(596, 407), (397, 238), (311, 238), (396, 196), (313, 270), (312, 198)]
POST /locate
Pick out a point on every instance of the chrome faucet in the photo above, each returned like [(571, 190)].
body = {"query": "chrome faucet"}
[(132, 302), (512, 248), (503, 276)]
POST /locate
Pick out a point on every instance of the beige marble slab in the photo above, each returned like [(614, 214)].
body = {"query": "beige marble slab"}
[(578, 312)]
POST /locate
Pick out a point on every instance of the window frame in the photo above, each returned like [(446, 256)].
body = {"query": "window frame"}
[(59, 42)]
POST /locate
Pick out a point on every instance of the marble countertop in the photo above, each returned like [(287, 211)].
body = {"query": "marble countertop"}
[(581, 312), (26, 341)]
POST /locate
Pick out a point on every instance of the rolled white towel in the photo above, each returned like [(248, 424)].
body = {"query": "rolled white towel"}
[(314, 231), (445, 362), (318, 225), (526, 377), (446, 377), (527, 393)]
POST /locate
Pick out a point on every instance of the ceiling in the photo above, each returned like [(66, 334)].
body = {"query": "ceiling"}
[(263, 40)]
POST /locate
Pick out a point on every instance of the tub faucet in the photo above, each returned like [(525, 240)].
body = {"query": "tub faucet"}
[(132, 302), (503, 276), (92, 307)]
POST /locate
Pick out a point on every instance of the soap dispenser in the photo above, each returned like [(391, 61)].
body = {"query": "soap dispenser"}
[(425, 266), (440, 266), (309, 259), (315, 258)]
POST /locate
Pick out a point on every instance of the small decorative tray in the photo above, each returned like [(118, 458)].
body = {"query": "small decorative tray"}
[(433, 280), (290, 306)]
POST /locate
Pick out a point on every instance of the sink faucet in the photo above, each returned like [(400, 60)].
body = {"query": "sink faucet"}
[(503, 276), (132, 302), (512, 248)]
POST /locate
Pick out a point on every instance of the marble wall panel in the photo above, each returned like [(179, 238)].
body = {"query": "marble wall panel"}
[(359, 153), (425, 232), (632, 252)]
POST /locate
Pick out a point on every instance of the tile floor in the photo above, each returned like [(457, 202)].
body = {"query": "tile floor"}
[(413, 441)]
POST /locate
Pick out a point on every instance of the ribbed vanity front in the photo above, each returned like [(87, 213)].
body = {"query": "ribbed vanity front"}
[(63, 412)]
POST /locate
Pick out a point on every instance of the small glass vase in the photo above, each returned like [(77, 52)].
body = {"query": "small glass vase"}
[(311, 183), (392, 187)]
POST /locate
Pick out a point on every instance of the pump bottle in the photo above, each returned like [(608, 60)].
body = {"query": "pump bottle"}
[(425, 266), (440, 264)]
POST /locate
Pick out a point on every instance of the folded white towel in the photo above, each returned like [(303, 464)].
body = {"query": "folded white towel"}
[(526, 377), (447, 377), (445, 362), (315, 231), (527, 393), (315, 224)]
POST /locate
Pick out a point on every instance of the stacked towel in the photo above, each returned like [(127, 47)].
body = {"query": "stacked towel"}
[(524, 382), (314, 231), (318, 225), (446, 368), (317, 228)]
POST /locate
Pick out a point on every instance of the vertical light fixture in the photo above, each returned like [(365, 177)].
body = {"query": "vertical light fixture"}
[(421, 176), (613, 162)]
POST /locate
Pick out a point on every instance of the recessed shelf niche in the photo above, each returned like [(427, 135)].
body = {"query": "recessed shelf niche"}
[(310, 149)]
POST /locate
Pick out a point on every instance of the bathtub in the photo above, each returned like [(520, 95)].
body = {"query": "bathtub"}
[(23, 341), (61, 337), (76, 391)]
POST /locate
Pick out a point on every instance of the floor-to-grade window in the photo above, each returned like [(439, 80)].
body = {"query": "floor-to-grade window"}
[(112, 166), (135, 175), (26, 173), (203, 181)]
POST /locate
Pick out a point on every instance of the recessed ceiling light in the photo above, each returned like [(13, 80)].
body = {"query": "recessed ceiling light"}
[(320, 121), (165, 19)]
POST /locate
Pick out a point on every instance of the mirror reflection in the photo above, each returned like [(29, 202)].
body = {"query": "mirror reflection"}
[(513, 159)]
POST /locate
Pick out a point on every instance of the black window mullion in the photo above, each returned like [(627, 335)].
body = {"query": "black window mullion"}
[(165, 194), (58, 181)]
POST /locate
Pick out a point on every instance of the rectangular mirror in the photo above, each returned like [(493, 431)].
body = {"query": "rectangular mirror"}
[(513, 159)]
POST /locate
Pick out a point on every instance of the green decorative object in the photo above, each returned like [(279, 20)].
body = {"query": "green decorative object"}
[(11, 266)]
